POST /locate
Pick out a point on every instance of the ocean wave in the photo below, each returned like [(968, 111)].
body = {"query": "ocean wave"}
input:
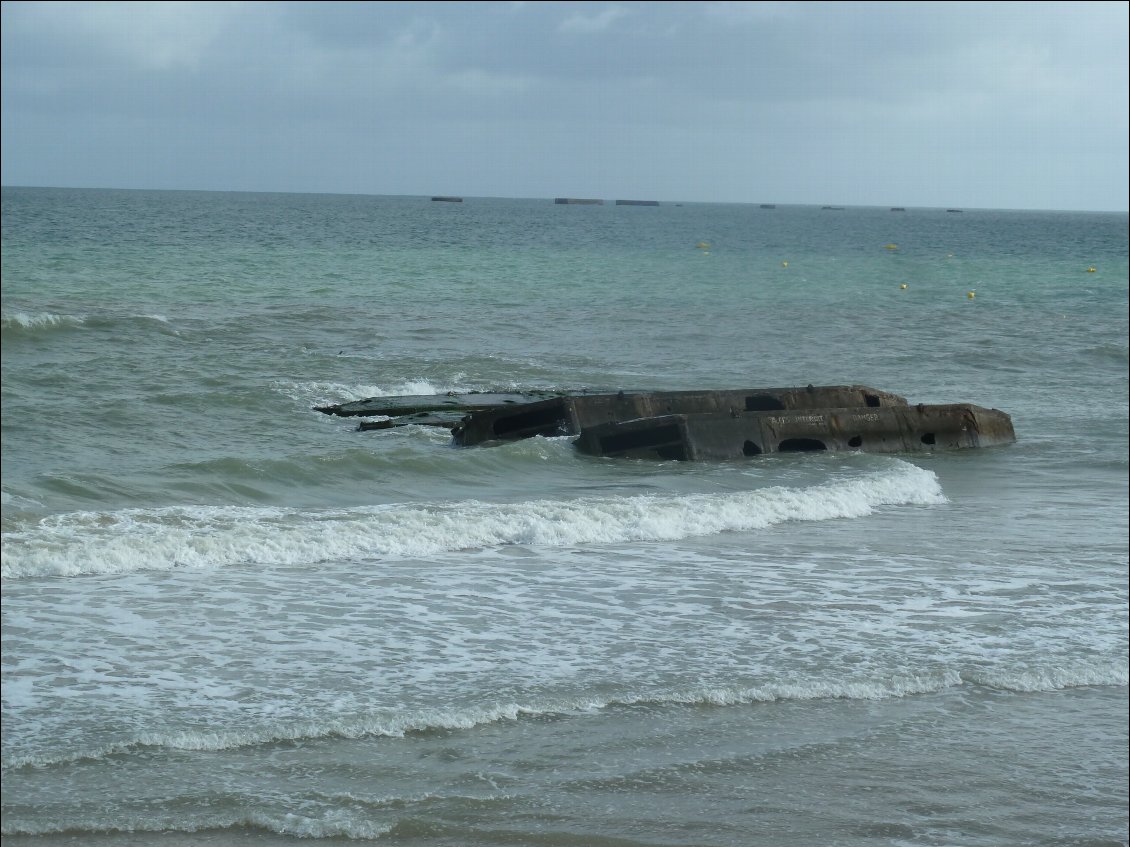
[(1113, 352), (17, 501), (352, 727), (335, 824), (1027, 680), (400, 725), (31, 322), (885, 689), (129, 540), (27, 323)]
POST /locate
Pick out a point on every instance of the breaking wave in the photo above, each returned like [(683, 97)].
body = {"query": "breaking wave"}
[(29, 322), (399, 725), (128, 540)]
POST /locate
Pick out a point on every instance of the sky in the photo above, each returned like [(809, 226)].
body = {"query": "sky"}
[(1013, 105)]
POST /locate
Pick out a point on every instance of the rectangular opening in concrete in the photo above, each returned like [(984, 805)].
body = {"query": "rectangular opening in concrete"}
[(763, 403), (642, 439), (545, 420)]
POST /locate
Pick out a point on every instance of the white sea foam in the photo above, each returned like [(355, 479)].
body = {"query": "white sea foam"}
[(830, 689), (326, 393), (335, 824), (207, 537)]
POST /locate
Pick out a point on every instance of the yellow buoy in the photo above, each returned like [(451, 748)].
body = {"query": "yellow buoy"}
[(903, 286), (892, 246), (971, 295), (1091, 269), (784, 264), (702, 245)]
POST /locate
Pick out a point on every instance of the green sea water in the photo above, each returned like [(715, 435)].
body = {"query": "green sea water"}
[(229, 618)]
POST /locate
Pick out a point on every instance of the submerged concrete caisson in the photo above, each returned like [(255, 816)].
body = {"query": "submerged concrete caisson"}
[(700, 425), (892, 429)]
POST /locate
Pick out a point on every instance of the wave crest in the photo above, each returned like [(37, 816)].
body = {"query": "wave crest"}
[(334, 824), (28, 322), (130, 540), (430, 720)]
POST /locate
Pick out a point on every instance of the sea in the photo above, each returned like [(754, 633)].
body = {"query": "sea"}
[(232, 619)]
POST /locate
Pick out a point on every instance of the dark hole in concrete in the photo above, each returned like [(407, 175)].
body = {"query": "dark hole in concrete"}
[(928, 438), (643, 439), (801, 445), (855, 441), (762, 403), (750, 449), (871, 399), (540, 420)]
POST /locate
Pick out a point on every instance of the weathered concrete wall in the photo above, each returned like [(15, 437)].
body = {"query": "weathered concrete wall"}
[(889, 429), (698, 424), (569, 415)]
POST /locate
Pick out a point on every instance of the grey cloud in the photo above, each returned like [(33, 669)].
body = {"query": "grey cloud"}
[(315, 94)]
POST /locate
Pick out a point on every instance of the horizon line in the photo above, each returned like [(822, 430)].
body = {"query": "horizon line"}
[(837, 205)]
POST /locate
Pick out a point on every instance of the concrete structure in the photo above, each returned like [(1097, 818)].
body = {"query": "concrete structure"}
[(698, 425), (890, 429), (415, 404), (571, 414)]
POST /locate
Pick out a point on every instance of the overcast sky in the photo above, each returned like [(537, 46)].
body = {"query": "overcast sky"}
[(1014, 105)]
